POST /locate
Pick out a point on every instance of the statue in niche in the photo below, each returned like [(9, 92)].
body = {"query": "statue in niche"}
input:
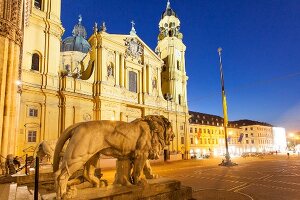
[(154, 83), (110, 70), (133, 144)]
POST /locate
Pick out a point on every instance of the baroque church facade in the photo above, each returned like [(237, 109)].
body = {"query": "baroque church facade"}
[(103, 77)]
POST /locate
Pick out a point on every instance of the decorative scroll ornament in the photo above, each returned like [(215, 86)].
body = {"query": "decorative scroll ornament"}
[(134, 49), (27, 12), (87, 117)]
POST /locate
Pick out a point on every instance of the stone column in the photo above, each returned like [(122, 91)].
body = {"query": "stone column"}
[(149, 84), (117, 71), (10, 51), (140, 86), (159, 81), (144, 81), (122, 75)]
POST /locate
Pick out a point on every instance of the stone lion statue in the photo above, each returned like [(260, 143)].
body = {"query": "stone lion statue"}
[(45, 150), (131, 143)]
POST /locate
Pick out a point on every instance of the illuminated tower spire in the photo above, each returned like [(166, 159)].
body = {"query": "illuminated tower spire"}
[(171, 49), (133, 31)]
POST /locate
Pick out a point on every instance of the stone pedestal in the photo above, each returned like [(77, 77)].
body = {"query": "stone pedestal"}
[(162, 188), (156, 189)]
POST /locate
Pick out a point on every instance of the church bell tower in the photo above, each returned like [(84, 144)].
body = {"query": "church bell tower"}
[(171, 49)]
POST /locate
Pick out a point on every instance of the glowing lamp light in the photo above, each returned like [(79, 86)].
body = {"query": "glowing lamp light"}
[(18, 82)]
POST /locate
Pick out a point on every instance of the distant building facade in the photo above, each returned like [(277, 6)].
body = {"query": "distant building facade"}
[(206, 136)]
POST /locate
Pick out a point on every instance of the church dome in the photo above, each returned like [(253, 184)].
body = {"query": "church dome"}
[(169, 11), (77, 42)]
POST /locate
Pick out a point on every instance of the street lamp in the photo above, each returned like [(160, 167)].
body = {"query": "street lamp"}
[(168, 97), (227, 161)]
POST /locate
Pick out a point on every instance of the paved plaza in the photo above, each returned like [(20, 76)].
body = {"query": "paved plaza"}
[(274, 177), (268, 178)]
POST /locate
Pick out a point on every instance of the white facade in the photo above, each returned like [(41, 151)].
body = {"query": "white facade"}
[(279, 135)]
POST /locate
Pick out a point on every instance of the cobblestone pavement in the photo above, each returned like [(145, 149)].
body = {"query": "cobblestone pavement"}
[(269, 178)]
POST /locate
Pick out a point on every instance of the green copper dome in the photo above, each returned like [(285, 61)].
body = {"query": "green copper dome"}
[(77, 42)]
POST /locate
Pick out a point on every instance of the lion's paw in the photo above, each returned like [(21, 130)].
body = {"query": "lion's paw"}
[(71, 193), (103, 183), (142, 182), (152, 176)]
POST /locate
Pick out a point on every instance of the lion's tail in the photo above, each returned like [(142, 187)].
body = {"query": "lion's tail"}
[(67, 134)]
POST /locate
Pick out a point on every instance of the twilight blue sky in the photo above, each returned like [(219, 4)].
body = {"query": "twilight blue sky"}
[(260, 41)]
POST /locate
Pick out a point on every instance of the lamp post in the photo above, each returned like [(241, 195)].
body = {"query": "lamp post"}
[(168, 97), (227, 161)]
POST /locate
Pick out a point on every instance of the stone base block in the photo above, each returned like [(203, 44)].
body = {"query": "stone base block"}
[(156, 189)]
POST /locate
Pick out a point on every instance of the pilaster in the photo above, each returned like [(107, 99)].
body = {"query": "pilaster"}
[(11, 41)]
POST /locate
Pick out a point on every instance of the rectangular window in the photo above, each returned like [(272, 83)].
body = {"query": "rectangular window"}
[(208, 141), (252, 141), (196, 130), (246, 135), (132, 82), (192, 141), (33, 112), (178, 65), (200, 130), (208, 131), (182, 140), (200, 140), (204, 130), (247, 141), (31, 136), (191, 130), (252, 134)]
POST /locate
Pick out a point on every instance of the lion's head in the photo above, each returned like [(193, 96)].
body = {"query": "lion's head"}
[(162, 134)]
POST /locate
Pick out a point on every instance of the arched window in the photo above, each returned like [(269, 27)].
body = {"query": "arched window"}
[(38, 4), (35, 62)]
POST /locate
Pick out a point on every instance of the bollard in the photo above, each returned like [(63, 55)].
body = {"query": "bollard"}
[(36, 178), (26, 172)]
